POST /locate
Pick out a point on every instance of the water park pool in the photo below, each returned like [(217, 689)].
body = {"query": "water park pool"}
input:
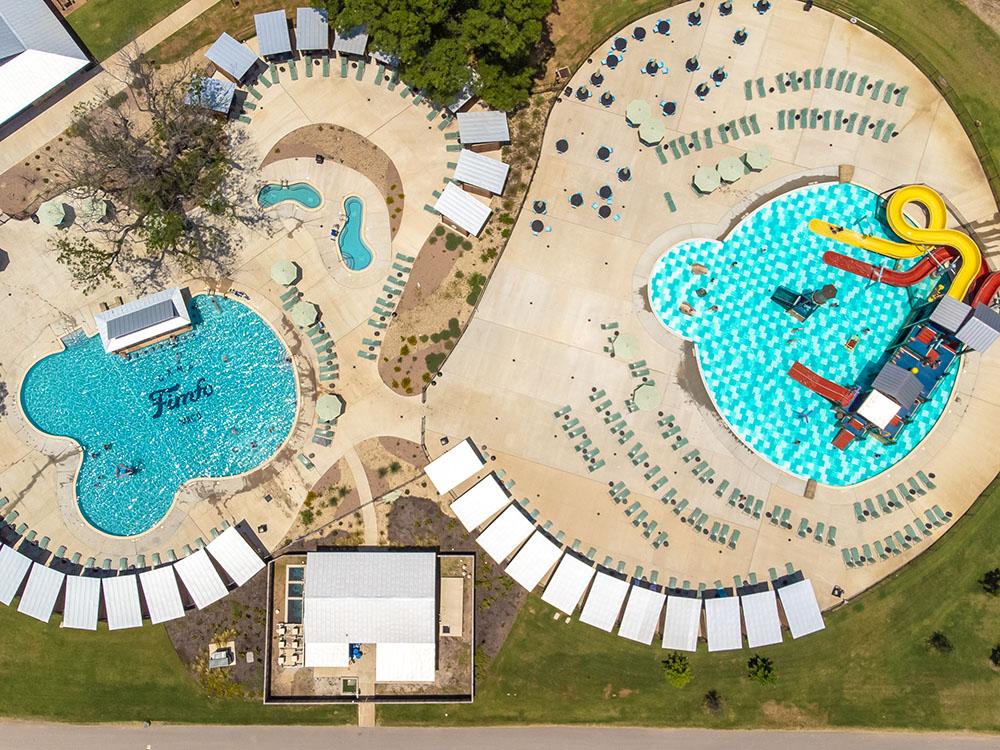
[(746, 343), (300, 192), (353, 250), (217, 402)]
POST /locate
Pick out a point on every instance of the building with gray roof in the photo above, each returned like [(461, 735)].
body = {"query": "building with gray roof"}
[(483, 128), (312, 31), (273, 39), (481, 172), (235, 60), (351, 41), (211, 93), (143, 321)]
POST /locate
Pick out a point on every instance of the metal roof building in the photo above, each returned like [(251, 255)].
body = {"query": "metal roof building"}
[(211, 93), (37, 54), (454, 466), (383, 597), (481, 171), (312, 31), (482, 501), (272, 33), (231, 57), (483, 127), (981, 329), (142, 320), (461, 209), (902, 386), (351, 41)]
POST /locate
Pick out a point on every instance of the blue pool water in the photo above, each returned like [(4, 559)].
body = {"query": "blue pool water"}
[(746, 346), (240, 406), (353, 249), (301, 192)]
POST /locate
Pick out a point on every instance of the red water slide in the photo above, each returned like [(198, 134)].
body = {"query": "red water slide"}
[(818, 384), (987, 290), (921, 270)]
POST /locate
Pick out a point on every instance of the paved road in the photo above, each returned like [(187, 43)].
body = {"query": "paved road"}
[(60, 737)]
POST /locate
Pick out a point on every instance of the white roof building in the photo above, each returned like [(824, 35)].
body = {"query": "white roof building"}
[(481, 171), (454, 466), (386, 598), (461, 209), (142, 320), (483, 127), (37, 54)]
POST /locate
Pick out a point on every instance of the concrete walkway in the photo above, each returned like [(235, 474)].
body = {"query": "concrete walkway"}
[(57, 117), (368, 515)]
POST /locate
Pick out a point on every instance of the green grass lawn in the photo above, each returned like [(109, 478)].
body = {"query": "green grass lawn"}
[(106, 26), (869, 668), (130, 675)]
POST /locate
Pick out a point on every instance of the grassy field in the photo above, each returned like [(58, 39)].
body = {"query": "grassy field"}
[(222, 17), (106, 26), (131, 675), (869, 668)]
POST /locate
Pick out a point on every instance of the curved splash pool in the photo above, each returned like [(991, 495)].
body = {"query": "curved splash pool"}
[(298, 192), (353, 250), (746, 343), (218, 402)]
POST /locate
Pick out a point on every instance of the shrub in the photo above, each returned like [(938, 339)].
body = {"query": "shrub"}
[(453, 328), (439, 230), (434, 361), (677, 669), (995, 656), (713, 701), (940, 642), (760, 669), (452, 241), (306, 515), (991, 582)]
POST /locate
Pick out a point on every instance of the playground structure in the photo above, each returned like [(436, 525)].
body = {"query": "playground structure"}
[(935, 335)]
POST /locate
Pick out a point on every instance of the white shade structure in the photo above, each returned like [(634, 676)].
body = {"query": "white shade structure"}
[(13, 567), (722, 624), (506, 533), (235, 555), (163, 598), (682, 623), (479, 503), (604, 602), (121, 602), (200, 579), (760, 615), (534, 561), (454, 466), (568, 584), (83, 600), (642, 614), (798, 600), (41, 592)]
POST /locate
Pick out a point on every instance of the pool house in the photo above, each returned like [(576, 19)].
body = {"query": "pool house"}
[(143, 322)]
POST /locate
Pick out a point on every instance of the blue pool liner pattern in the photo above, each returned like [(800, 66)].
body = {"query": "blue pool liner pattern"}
[(299, 192), (353, 249)]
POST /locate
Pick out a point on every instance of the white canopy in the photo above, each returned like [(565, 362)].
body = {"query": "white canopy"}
[(461, 209), (722, 623), (39, 597), (163, 598), (200, 579), (481, 171), (235, 555), (568, 583), (405, 662), (121, 602), (878, 409), (83, 600), (506, 533), (760, 614), (604, 602), (13, 567), (142, 320), (454, 466), (642, 614), (683, 623), (482, 501), (534, 561), (802, 614)]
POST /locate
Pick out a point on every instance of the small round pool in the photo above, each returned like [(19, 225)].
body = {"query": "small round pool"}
[(746, 343), (216, 402), (298, 192), (353, 250)]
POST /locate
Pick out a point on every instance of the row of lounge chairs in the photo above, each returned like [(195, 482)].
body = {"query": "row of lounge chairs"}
[(898, 541), (913, 488), (385, 307), (850, 122), (697, 140), (847, 81), (576, 431)]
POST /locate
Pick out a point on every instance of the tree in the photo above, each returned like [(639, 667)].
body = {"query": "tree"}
[(995, 656), (940, 642), (677, 669), (171, 171), (713, 701), (761, 669), (991, 582)]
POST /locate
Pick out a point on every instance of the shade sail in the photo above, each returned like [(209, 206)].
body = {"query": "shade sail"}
[(304, 313), (567, 584), (284, 272), (235, 555), (454, 466), (481, 502)]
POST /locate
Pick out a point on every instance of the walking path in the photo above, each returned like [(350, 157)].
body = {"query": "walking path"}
[(57, 117), (368, 515)]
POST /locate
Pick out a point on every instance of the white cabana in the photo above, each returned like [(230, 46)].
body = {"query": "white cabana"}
[(121, 602), (454, 466), (405, 662), (479, 503), (642, 614), (760, 615), (83, 600), (235, 555), (13, 567), (534, 561), (200, 579), (798, 600), (163, 598), (506, 533), (481, 171), (604, 602), (41, 592), (462, 210), (682, 623), (568, 584), (722, 624)]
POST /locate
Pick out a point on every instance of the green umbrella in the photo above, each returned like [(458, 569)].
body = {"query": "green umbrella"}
[(651, 132), (637, 112), (93, 209), (304, 314), (284, 272), (706, 179), (731, 169), (758, 157), (626, 347), (51, 213), (328, 407), (646, 397)]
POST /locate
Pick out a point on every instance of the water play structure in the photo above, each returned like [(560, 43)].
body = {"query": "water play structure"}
[(956, 318)]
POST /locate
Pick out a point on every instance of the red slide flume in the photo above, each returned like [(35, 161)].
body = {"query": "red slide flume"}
[(921, 270)]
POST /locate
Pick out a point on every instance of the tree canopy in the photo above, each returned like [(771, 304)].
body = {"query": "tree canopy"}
[(444, 45)]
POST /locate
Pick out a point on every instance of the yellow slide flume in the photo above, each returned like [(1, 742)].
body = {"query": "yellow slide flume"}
[(919, 240)]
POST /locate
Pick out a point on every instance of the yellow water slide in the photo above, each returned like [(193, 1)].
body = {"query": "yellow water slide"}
[(919, 240)]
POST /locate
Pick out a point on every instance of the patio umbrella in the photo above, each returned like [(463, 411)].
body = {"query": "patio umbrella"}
[(740, 37), (662, 26), (51, 213), (637, 112), (624, 174), (669, 108), (651, 132), (604, 191), (626, 346), (607, 98), (329, 407), (638, 33), (701, 90), (596, 79), (706, 179), (537, 226), (621, 43), (646, 397), (725, 7), (603, 153), (576, 200), (93, 209), (611, 61), (304, 314), (731, 169), (758, 157), (694, 18), (539, 207), (562, 145), (284, 272), (719, 74), (583, 93), (652, 68), (604, 211)]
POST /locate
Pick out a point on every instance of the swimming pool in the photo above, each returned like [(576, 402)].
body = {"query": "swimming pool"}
[(353, 250), (300, 192), (746, 343), (218, 402)]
